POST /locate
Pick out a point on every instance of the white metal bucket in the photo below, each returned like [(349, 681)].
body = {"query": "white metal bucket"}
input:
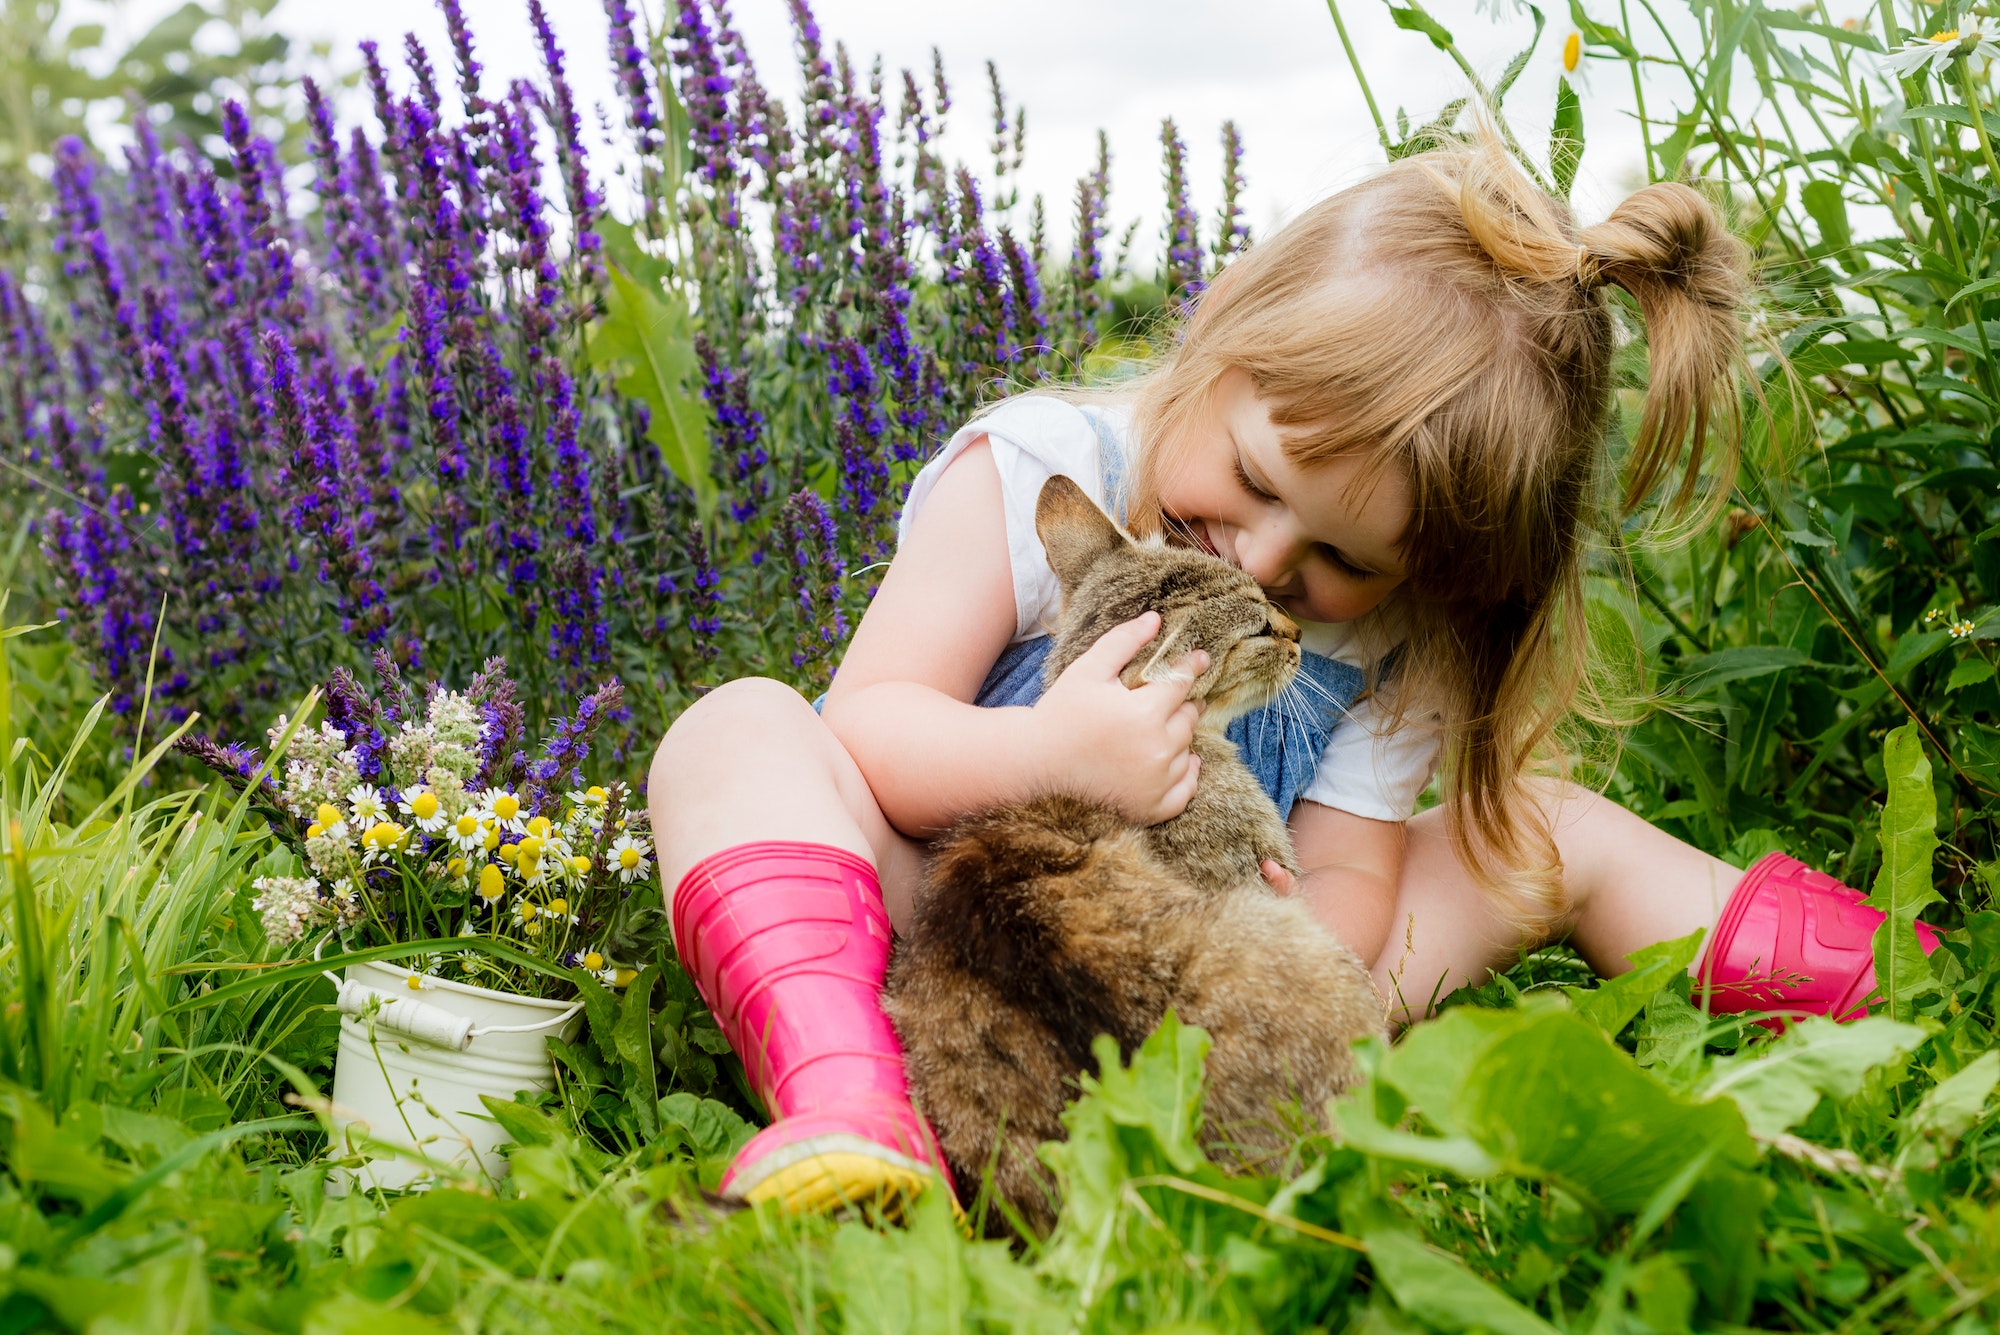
[(414, 1061)]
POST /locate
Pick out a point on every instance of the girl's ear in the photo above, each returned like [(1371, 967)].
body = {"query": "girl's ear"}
[(1075, 533)]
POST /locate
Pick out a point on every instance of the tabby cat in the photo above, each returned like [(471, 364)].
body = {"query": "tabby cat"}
[(1045, 923)]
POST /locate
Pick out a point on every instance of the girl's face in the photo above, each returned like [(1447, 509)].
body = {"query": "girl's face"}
[(1322, 548)]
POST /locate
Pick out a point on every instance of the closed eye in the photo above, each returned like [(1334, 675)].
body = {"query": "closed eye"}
[(1342, 564)]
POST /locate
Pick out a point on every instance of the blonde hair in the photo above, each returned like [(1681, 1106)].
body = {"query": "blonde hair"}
[(1446, 318)]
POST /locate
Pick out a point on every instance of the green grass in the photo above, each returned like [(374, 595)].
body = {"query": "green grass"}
[(1551, 1154)]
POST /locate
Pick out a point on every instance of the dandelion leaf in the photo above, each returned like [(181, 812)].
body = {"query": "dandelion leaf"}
[(1777, 1085), (1615, 1002), (1904, 887)]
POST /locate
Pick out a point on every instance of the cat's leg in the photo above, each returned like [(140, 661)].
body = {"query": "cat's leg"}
[(777, 857), (1282, 1001)]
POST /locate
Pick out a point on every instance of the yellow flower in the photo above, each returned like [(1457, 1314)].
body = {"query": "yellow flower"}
[(533, 929), (624, 977), (506, 806), (315, 830), (1572, 51), (508, 852), (328, 814), (539, 827), (628, 858), (528, 911), (384, 835), (492, 837), (415, 981), (592, 961), (456, 866), (530, 849), (580, 864), (595, 794), (558, 906), (424, 805), (491, 883)]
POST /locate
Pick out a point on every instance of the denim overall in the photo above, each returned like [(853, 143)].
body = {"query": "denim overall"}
[(1281, 743)]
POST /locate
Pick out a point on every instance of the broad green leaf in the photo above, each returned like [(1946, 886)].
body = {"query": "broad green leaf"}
[(1968, 672), (1359, 1130), (1673, 149), (1953, 1105), (1565, 137), (1547, 1094), (1612, 1004), (634, 1039), (1439, 1291), (1775, 1086), (1742, 662), (1828, 207), (1413, 18), (647, 337), (1971, 290), (1904, 886)]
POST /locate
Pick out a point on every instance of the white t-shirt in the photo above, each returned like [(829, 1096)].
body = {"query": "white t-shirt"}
[(1370, 766)]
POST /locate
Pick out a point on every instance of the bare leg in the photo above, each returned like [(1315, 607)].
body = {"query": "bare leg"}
[(751, 760), (1629, 885)]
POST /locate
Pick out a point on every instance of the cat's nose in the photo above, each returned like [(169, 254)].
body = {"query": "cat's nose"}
[(1284, 627)]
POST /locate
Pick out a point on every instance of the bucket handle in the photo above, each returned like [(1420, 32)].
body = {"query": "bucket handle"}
[(427, 1023)]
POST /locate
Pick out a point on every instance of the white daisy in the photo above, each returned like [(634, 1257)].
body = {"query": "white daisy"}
[(466, 834), (1937, 51), (632, 857), (502, 810), (421, 805), (366, 804)]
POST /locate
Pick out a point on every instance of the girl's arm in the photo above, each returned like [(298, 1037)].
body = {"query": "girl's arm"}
[(900, 702), (1353, 866)]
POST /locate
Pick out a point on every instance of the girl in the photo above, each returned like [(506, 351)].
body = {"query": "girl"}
[(1392, 413)]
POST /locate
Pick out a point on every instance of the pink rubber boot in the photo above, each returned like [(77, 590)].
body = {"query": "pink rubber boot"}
[(789, 945), (1794, 941)]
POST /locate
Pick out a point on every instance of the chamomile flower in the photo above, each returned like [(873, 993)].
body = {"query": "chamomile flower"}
[(1936, 52), (421, 805), (502, 810), (383, 838), (591, 797), (558, 909), (528, 917), (364, 801), (492, 883), (328, 821), (466, 834), (631, 856), (1961, 629)]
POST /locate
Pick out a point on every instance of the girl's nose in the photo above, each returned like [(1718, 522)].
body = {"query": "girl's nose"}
[(1270, 554)]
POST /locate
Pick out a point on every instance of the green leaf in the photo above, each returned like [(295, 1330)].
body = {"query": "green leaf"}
[(1968, 672), (1828, 207), (1601, 34), (1546, 1093), (1954, 1105), (1775, 1086), (1784, 18), (1413, 18), (647, 337), (1439, 1291), (1612, 1004), (1673, 149), (1904, 886), (1742, 662), (634, 1039), (1520, 61), (1565, 138)]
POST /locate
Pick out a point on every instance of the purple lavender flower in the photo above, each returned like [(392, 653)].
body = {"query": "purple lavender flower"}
[(1182, 277), (813, 561)]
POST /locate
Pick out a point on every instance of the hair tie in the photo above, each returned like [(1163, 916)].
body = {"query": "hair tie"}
[(1588, 275)]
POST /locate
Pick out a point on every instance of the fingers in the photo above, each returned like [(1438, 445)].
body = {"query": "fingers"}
[(1115, 648), (1182, 791), (1279, 879), (1172, 689)]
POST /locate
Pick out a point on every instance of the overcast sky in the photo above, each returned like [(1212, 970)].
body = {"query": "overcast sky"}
[(1275, 66)]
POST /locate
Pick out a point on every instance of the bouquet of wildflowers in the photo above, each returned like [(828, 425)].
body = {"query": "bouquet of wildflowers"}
[(417, 814)]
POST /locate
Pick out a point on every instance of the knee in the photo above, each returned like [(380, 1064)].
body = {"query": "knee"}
[(731, 714)]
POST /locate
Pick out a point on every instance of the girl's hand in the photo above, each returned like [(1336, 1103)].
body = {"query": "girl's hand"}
[(1277, 877), (1125, 747)]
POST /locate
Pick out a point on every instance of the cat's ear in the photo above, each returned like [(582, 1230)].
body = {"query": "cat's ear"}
[(1075, 533)]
